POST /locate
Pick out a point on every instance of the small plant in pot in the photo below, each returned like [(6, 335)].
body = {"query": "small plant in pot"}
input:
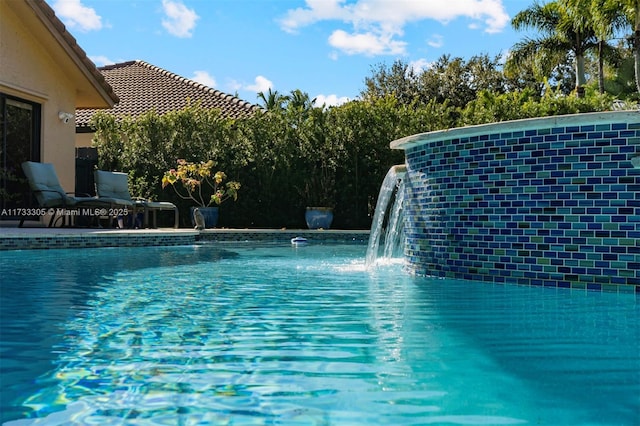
[(319, 193), (199, 183)]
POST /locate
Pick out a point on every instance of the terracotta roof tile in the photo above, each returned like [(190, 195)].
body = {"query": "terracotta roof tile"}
[(142, 87)]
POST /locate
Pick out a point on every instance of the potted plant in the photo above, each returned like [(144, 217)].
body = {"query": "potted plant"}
[(198, 183), (319, 193), (319, 154)]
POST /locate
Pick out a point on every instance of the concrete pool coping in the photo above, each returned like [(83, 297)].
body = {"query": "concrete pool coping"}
[(60, 238)]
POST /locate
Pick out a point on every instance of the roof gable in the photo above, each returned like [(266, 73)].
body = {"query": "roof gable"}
[(142, 87), (96, 91)]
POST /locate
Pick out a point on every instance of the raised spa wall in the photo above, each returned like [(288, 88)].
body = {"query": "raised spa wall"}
[(551, 201)]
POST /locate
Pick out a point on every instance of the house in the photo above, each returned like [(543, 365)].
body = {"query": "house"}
[(44, 77), (142, 87)]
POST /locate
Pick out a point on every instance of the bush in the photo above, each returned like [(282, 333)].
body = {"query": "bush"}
[(290, 158)]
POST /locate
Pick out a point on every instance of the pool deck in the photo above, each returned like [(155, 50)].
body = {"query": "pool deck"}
[(13, 238)]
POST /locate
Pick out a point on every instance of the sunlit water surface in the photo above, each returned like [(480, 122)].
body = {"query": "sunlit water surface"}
[(271, 334)]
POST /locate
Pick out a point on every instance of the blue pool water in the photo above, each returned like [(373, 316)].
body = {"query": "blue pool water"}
[(270, 334)]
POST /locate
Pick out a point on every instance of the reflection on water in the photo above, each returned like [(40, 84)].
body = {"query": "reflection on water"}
[(264, 334)]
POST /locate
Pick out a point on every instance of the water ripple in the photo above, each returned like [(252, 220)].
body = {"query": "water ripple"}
[(275, 336)]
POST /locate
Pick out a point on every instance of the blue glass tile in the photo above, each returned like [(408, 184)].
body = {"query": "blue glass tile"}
[(538, 173)]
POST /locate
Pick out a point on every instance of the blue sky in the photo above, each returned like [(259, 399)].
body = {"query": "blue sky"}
[(323, 47)]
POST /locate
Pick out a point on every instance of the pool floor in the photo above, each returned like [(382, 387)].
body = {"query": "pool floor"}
[(246, 333)]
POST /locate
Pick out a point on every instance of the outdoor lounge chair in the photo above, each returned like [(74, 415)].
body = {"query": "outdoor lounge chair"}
[(115, 185), (49, 194)]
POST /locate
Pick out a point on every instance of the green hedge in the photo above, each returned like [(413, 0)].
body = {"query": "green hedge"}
[(291, 158)]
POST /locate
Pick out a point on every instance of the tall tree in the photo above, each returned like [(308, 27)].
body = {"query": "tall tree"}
[(459, 82), (299, 101), (561, 35), (631, 10), (272, 100), (399, 79), (621, 81), (605, 17), (448, 79)]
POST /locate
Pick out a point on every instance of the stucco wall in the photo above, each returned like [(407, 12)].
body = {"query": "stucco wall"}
[(83, 140), (550, 201), (29, 71)]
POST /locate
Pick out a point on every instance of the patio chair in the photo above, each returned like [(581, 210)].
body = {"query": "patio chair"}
[(115, 185), (50, 195)]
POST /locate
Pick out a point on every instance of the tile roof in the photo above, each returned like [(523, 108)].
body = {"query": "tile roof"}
[(142, 87)]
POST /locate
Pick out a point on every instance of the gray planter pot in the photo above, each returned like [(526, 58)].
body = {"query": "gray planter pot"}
[(319, 217)]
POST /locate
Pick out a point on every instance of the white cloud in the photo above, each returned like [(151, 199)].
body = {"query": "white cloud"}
[(75, 15), (436, 41), (261, 84), (318, 10), (233, 85), (366, 44), (180, 20), (376, 25), (205, 78), (330, 100), (101, 61), (420, 65), (496, 17)]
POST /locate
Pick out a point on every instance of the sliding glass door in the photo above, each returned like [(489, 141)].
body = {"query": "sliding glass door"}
[(19, 142)]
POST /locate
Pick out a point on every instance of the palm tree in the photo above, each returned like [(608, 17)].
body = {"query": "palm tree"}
[(300, 101), (631, 10), (272, 100), (562, 35), (606, 18)]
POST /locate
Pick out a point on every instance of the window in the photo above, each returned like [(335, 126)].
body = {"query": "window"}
[(19, 142)]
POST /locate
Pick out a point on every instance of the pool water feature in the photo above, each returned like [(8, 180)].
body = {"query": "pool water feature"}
[(387, 238), (279, 334)]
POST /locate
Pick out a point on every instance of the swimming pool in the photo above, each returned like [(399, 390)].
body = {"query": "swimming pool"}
[(245, 333)]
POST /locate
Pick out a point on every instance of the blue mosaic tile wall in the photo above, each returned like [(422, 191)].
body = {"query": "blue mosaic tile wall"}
[(550, 206)]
